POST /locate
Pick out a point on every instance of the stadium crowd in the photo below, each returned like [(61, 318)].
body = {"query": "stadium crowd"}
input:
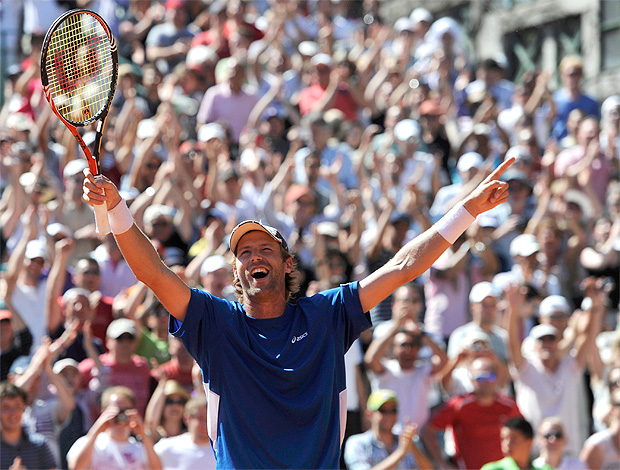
[(350, 135)]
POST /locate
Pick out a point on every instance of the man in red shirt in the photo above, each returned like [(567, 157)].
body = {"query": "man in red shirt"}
[(120, 365), (179, 367), (475, 418), (329, 89)]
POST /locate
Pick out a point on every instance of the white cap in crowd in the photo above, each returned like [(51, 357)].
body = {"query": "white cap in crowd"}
[(158, 210), (212, 264), (407, 129), (210, 131), (36, 249), (481, 291), (524, 245), (468, 161), (542, 330), (74, 167), (554, 304), (322, 59)]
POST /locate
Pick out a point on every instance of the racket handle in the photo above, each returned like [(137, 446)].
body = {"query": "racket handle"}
[(102, 225)]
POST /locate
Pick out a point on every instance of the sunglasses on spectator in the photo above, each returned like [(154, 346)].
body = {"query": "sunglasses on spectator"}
[(92, 272), (391, 411), (553, 434), (614, 383), (546, 338), (172, 401), (126, 337), (161, 223), (486, 377)]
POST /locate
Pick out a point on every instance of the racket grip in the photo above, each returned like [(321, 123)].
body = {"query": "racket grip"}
[(102, 225)]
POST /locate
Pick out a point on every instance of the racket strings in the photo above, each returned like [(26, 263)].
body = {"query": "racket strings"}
[(80, 67)]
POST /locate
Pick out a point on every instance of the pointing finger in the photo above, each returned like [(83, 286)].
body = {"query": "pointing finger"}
[(495, 175)]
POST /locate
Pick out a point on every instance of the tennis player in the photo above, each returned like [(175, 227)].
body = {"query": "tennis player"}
[(274, 371)]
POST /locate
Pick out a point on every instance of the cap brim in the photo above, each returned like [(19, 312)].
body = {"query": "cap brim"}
[(245, 227)]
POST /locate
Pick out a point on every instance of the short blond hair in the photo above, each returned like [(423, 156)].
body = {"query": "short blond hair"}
[(119, 390), (572, 60)]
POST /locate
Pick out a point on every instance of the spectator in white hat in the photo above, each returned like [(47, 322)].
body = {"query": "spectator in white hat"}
[(527, 268), (216, 276), (483, 300), (24, 283), (73, 212), (541, 380), (468, 168)]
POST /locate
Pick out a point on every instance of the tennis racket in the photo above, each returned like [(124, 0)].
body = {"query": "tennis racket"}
[(79, 69)]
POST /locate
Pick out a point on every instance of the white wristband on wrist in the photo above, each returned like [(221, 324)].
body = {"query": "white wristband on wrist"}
[(452, 225), (120, 218)]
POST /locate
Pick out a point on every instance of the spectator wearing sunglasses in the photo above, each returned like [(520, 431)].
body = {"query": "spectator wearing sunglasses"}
[(475, 419), (379, 447), (551, 441), (164, 413)]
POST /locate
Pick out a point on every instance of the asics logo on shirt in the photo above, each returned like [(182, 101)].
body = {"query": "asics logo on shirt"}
[(299, 338)]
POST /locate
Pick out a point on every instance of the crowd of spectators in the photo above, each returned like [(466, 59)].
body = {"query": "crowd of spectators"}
[(350, 135)]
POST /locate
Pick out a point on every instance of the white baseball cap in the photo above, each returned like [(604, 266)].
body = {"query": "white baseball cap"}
[(210, 131), (524, 245), (212, 264), (481, 291), (554, 304), (468, 161)]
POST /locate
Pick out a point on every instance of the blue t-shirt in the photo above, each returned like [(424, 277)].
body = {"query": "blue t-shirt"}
[(275, 387), (564, 106)]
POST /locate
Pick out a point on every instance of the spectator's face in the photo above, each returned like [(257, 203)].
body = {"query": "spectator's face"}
[(87, 275), (160, 228), (405, 349), (515, 444), (173, 407), (312, 164), (215, 282), (572, 77), (6, 334), (11, 411), (384, 418), (123, 404), (587, 131), (72, 378), (74, 185), (231, 187), (321, 74), (557, 319), (34, 267), (546, 347), (124, 346), (303, 209), (551, 437), (407, 301), (197, 423), (485, 313), (484, 377)]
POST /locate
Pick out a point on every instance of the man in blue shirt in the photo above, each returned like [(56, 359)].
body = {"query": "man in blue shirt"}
[(274, 371), (570, 96)]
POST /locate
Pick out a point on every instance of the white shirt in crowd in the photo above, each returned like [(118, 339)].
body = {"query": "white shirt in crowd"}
[(181, 453)]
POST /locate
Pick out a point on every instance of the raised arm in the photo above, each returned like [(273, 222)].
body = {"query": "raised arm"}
[(137, 249), (420, 253)]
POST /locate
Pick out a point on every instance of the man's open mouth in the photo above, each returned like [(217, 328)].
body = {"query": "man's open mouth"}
[(259, 273)]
